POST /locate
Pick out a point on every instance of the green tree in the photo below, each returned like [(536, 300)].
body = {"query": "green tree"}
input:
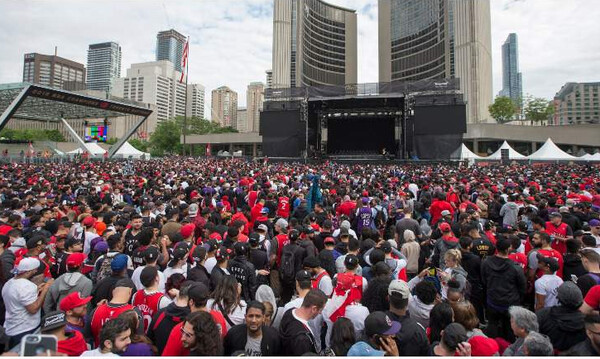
[(32, 135), (166, 139), (503, 109), (112, 141), (538, 109), (139, 144)]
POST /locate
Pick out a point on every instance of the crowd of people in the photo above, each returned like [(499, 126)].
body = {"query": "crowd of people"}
[(188, 256)]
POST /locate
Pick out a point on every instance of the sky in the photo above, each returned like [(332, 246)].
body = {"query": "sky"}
[(231, 40)]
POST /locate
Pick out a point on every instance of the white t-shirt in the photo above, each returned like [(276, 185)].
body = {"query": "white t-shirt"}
[(135, 277), (97, 353), (210, 264), (238, 316), (547, 285), (169, 271), (326, 285), (17, 294)]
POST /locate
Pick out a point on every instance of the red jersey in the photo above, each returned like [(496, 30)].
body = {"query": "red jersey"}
[(252, 197), (282, 240), (103, 314), (519, 258), (283, 207), (147, 304), (562, 231), (554, 254)]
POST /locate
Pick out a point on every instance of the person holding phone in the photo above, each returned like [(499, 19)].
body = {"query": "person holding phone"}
[(379, 331)]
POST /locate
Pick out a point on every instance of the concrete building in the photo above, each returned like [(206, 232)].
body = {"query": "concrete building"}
[(255, 96), (242, 120), (52, 70), (437, 39), (269, 79), (103, 66), (314, 44), (512, 80), (224, 106), (195, 101), (577, 103), (154, 83), (169, 46)]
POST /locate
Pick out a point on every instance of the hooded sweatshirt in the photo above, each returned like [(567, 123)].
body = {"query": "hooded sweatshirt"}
[(505, 282), (419, 311), (74, 345), (65, 285), (564, 326), (509, 213), (264, 293), (296, 337), (163, 323)]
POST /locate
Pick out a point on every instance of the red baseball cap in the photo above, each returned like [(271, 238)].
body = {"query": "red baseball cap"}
[(89, 221), (76, 259), (73, 301)]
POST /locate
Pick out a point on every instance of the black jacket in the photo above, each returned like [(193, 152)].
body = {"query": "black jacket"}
[(199, 274), (411, 339), (258, 258), (572, 266), (296, 339), (328, 262), (562, 325), (215, 277), (320, 239), (472, 264), (504, 281), (584, 349), (163, 323), (237, 336), (483, 247), (245, 273)]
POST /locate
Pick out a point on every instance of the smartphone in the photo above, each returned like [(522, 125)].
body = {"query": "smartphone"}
[(432, 272), (38, 344)]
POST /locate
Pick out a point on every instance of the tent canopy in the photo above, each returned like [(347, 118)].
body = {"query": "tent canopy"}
[(464, 153), (92, 147), (127, 150), (550, 152), (512, 154), (587, 157)]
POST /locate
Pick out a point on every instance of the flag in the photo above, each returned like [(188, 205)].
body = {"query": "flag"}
[(184, 59), (208, 149), (30, 151)]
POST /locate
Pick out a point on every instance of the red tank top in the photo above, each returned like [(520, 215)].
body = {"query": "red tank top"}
[(147, 304), (317, 280), (103, 314)]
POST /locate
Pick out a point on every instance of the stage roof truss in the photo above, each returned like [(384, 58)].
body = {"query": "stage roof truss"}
[(40, 103)]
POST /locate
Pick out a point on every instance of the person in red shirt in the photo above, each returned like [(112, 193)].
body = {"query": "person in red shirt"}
[(591, 302), (283, 206), (70, 343), (149, 300), (560, 231), (281, 237), (346, 208), (107, 311), (438, 205), (517, 257), (198, 297), (256, 211), (547, 251)]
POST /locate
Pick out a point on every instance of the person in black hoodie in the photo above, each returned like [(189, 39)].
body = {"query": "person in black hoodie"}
[(220, 270), (472, 264), (572, 264), (167, 318), (591, 346), (258, 257), (563, 324), (199, 272), (296, 336), (264, 339), (243, 271), (505, 284)]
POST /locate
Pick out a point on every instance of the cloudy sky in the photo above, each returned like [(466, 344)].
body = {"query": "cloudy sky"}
[(231, 39)]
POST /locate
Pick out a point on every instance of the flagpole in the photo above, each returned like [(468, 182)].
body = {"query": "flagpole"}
[(187, 74)]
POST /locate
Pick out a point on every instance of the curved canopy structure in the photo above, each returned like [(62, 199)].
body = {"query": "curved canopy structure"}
[(512, 154)]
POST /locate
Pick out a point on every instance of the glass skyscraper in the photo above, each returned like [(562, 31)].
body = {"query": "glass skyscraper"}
[(103, 66), (512, 85), (169, 46)]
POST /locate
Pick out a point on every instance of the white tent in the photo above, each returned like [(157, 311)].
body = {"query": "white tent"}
[(92, 147), (588, 157), (512, 154), (550, 152), (127, 150), (464, 153)]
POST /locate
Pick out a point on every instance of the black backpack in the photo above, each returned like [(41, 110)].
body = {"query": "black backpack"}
[(287, 270)]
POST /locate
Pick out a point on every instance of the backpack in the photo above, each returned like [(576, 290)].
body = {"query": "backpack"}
[(380, 217), (105, 269), (287, 270)]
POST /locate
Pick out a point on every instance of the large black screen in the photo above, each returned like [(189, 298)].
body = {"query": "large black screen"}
[(282, 133), (366, 135), (440, 120)]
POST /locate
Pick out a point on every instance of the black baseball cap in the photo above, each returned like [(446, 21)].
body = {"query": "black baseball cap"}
[(303, 276), (178, 254), (53, 320), (151, 253), (550, 261), (379, 323), (240, 248), (253, 238), (311, 262), (351, 261)]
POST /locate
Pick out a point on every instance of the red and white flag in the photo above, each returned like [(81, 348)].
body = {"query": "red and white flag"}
[(30, 151), (184, 59)]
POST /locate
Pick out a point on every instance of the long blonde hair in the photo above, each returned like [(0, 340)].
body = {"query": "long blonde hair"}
[(453, 254)]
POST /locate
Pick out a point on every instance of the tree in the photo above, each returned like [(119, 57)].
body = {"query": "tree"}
[(166, 138), (503, 109), (32, 135), (538, 109), (139, 144)]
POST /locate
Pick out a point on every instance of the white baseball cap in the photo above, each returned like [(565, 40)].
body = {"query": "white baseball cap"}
[(26, 264)]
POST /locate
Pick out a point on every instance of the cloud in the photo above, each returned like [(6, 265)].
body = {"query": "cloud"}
[(232, 39)]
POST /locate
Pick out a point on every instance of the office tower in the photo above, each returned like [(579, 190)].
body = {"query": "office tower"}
[(242, 120), (437, 39), (577, 103), (52, 71), (154, 83), (195, 101), (269, 79), (512, 85), (103, 66), (224, 106), (314, 44), (255, 96), (169, 46)]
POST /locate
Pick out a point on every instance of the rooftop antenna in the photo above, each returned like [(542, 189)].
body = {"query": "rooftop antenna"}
[(55, 50), (167, 15)]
